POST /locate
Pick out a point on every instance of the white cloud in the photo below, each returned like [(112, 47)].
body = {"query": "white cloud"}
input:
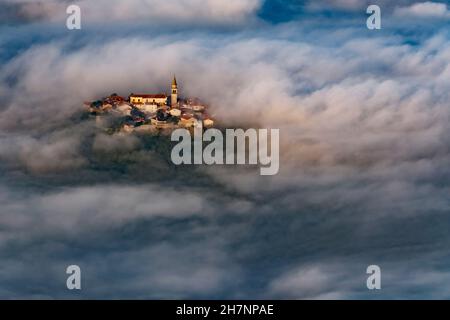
[(354, 5), (144, 11), (77, 210), (310, 282), (426, 9), (364, 134)]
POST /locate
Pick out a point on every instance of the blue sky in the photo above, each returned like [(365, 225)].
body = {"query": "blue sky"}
[(363, 118)]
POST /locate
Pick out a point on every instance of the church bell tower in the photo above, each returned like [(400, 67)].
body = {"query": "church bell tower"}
[(174, 94)]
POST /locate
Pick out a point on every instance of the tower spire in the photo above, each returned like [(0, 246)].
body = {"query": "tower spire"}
[(174, 94)]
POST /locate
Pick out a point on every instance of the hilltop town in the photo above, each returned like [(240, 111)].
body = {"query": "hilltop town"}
[(151, 112)]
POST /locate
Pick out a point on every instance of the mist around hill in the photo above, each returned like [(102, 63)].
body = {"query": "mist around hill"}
[(364, 152)]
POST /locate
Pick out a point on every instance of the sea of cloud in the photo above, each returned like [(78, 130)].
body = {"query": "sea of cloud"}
[(364, 179)]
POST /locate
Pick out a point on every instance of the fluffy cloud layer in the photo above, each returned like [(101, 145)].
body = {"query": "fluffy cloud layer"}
[(138, 11), (424, 9), (358, 5), (363, 120), (199, 13)]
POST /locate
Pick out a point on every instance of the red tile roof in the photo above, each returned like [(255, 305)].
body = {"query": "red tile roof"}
[(149, 96)]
